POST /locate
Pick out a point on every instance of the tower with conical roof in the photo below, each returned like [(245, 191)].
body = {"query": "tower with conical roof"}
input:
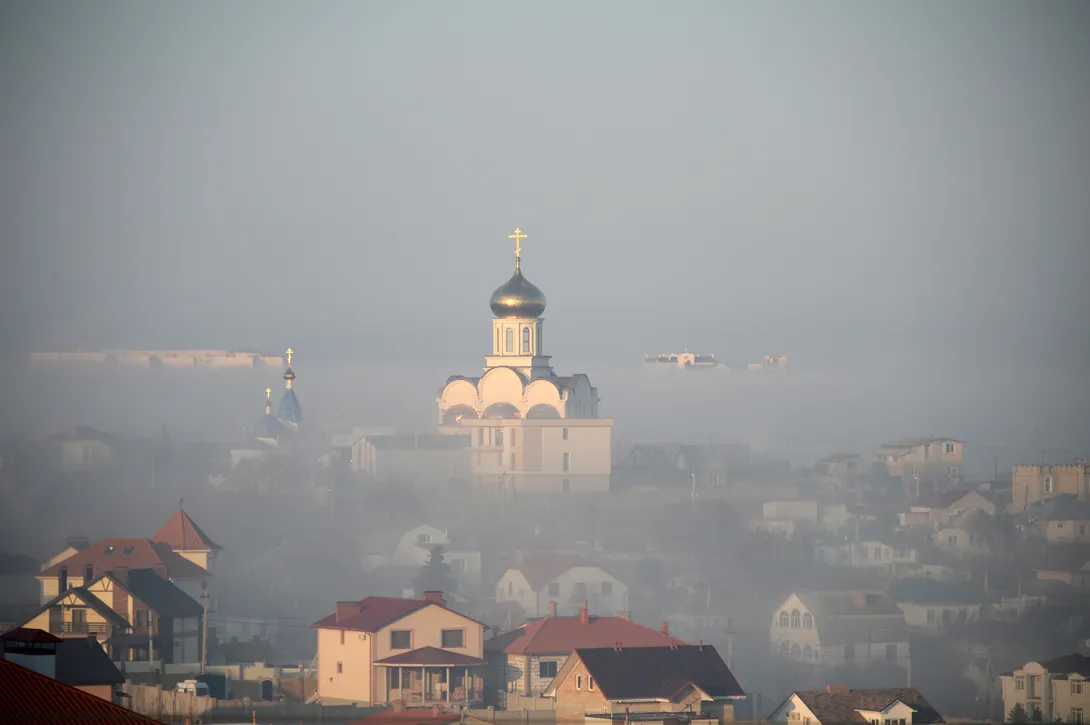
[(289, 412)]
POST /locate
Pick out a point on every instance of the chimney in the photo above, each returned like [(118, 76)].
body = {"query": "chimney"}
[(584, 613), (347, 609), (435, 597), (860, 598), (624, 614), (665, 628), (552, 609), (837, 689)]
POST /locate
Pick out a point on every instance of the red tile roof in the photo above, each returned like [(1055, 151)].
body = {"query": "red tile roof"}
[(563, 635), (29, 698), (182, 534), (540, 569), (374, 613), (142, 554)]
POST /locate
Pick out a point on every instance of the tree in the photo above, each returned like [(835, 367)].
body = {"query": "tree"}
[(1017, 714), (435, 575)]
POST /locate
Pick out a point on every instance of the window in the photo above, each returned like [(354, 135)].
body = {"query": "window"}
[(546, 669), (525, 340), (513, 431), (1076, 716), (579, 682), (1048, 484), (401, 639), (110, 549), (930, 616), (395, 672), (423, 538), (796, 619), (554, 589), (62, 579), (454, 638), (139, 618), (88, 574), (949, 447), (510, 347), (849, 652), (127, 549), (567, 462), (342, 636), (590, 683), (607, 589), (891, 653), (807, 621), (952, 539), (563, 434), (783, 619), (1076, 687), (497, 436), (497, 340), (1020, 683)]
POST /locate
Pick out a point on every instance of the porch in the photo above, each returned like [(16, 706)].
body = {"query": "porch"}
[(429, 675)]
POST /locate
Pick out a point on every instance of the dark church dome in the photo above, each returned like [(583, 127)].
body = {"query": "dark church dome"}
[(517, 297)]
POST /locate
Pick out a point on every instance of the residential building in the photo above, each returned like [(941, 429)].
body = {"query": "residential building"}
[(530, 428), (886, 553), (105, 555), (934, 606), (834, 628), (567, 579), (430, 458), (1032, 483), (383, 649), (79, 662), (1069, 524), (530, 656), (939, 508), (79, 613), (75, 450), (672, 679), (190, 542), (933, 463), (840, 705), (1057, 690), (841, 469), (961, 537), (29, 697)]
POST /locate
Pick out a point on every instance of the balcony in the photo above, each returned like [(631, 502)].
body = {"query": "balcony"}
[(81, 628)]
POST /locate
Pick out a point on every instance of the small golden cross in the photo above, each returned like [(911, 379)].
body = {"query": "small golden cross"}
[(518, 236), (290, 352), (268, 394)]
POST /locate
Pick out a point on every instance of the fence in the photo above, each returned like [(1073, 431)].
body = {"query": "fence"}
[(175, 708)]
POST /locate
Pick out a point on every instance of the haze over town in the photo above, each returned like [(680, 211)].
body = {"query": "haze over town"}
[(890, 197)]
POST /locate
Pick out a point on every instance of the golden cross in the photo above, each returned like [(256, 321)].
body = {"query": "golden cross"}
[(290, 352), (518, 236), (268, 393)]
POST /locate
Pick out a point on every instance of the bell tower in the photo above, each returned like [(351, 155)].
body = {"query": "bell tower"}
[(517, 328)]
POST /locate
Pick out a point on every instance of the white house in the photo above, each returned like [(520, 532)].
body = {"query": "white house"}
[(839, 705), (567, 579), (835, 628)]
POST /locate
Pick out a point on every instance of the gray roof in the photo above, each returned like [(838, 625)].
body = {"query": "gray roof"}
[(839, 618), (841, 707), (81, 661)]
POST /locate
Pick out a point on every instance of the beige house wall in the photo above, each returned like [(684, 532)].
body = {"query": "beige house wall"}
[(1040, 483), (353, 652)]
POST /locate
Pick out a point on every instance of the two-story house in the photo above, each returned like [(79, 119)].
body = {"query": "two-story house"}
[(105, 555), (1057, 690), (926, 464), (1032, 483), (624, 680), (529, 657), (840, 705), (834, 628), (567, 579), (840, 469), (384, 649)]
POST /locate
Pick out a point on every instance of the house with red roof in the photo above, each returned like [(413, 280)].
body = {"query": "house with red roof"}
[(105, 555), (189, 541), (528, 658), (385, 649), (568, 580), (31, 698)]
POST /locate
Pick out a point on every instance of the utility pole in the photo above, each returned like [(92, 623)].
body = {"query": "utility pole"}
[(692, 491), (204, 628), (908, 668), (730, 642)]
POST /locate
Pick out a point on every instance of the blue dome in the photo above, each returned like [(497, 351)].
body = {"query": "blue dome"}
[(289, 410)]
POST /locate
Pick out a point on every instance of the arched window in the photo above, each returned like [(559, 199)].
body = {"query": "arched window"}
[(795, 651), (525, 340), (807, 653), (510, 340), (807, 621), (783, 619), (796, 619)]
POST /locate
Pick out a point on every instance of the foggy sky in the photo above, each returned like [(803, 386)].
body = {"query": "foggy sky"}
[(820, 179)]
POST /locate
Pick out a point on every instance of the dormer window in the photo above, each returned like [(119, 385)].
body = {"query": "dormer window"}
[(127, 549), (110, 549)]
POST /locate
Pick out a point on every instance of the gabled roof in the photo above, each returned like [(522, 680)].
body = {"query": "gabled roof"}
[(652, 673), (842, 707), (181, 533), (107, 554), (82, 661), (30, 698), (840, 619), (431, 656), (99, 606), (374, 613), (26, 635), (1068, 664), (540, 569), (161, 595), (563, 635)]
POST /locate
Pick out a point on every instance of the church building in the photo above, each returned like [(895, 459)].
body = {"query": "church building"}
[(531, 430)]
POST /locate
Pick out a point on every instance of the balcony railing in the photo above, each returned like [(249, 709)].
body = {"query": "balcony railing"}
[(82, 628)]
